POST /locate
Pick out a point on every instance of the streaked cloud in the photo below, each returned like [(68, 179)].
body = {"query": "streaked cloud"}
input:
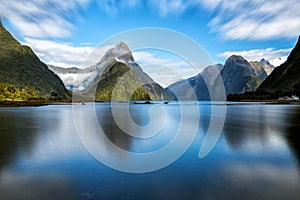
[(256, 19), (59, 54), (238, 20), (232, 19), (166, 71), (258, 54), (42, 18), (65, 54), (112, 7)]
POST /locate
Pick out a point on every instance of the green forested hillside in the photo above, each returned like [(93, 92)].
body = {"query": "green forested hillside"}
[(10, 92), (20, 67), (109, 79)]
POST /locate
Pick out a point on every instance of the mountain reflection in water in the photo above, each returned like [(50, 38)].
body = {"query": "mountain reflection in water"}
[(256, 157)]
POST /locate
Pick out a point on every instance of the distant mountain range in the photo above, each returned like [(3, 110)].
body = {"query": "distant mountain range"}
[(238, 76), (286, 77), (22, 71), (196, 87), (263, 68)]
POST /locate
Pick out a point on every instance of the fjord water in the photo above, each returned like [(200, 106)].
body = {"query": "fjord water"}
[(256, 156)]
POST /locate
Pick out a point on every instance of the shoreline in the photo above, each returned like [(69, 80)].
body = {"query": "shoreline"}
[(36, 103)]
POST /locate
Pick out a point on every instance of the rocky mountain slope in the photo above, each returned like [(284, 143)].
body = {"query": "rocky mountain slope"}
[(286, 77), (82, 80), (238, 76), (197, 87)]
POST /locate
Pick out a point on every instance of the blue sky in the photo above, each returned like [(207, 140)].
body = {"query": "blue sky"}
[(65, 32)]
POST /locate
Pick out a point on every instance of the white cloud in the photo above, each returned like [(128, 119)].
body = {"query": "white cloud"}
[(42, 18), (167, 7), (111, 7), (258, 54), (256, 19), (66, 55), (163, 70), (235, 19), (148, 58)]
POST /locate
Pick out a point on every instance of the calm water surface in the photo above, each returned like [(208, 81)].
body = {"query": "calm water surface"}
[(256, 157)]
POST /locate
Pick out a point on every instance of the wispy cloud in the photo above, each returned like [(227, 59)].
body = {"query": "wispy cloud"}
[(61, 54), (167, 7), (112, 7), (64, 54), (42, 19), (233, 19), (256, 19), (258, 54), (165, 71), (237, 20)]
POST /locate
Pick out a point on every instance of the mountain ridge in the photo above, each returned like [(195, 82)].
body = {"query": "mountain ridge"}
[(285, 78), (20, 67), (93, 74)]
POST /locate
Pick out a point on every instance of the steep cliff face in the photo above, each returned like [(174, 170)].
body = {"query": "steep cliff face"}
[(20, 67), (238, 76), (197, 87), (111, 68), (259, 70), (113, 85), (286, 77)]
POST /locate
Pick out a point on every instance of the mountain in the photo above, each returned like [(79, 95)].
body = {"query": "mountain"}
[(21, 68), (128, 88), (196, 87), (268, 67), (259, 69), (99, 76), (238, 76), (286, 77), (121, 53)]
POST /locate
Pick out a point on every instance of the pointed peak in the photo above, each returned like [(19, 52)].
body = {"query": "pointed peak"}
[(122, 43), (264, 62), (236, 57), (120, 52)]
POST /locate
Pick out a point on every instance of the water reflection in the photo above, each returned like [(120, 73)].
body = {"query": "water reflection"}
[(255, 125), (23, 136), (18, 132), (292, 133), (41, 156), (140, 115), (113, 132)]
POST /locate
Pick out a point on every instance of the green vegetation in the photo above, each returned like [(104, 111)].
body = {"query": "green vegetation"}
[(19, 66), (11, 92), (114, 74), (253, 83)]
